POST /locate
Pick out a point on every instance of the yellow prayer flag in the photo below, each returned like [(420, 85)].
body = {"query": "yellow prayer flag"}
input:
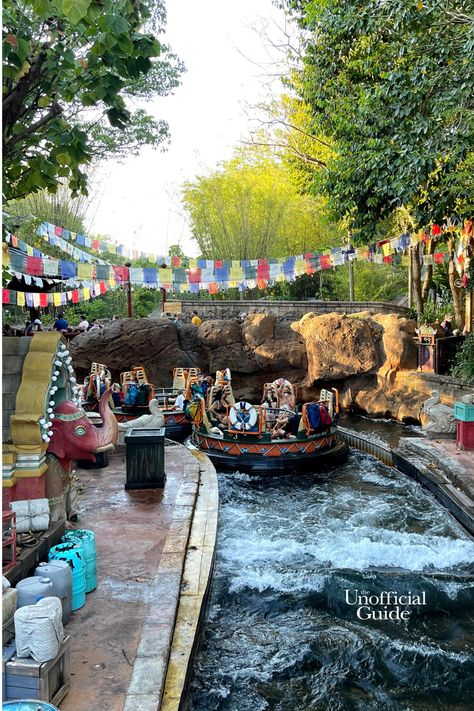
[(84, 271), (165, 275), (300, 266), (57, 299), (20, 298), (87, 294)]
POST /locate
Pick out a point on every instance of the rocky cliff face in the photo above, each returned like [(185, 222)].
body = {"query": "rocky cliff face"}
[(370, 359)]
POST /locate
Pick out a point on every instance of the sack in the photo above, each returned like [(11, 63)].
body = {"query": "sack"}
[(314, 416), (325, 416), (131, 396), (31, 515), (193, 409), (143, 395)]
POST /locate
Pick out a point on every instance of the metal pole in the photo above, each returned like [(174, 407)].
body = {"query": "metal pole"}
[(351, 269), (410, 279), (129, 290)]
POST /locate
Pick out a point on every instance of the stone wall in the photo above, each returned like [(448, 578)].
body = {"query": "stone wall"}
[(283, 310)]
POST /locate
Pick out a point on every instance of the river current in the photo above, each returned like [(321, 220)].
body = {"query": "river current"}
[(279, 632)]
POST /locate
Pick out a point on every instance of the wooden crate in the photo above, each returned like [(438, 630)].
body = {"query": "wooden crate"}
[(47, 681)]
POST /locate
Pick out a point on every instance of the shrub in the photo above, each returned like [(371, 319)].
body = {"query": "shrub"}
[(464, 362)]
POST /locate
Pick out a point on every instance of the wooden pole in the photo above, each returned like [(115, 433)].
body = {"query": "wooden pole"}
[(129, 290)]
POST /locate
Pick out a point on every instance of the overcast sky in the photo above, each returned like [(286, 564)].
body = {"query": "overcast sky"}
[(137, 201)]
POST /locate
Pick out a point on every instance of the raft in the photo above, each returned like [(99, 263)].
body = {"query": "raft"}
[(261, 455), (251, 438)]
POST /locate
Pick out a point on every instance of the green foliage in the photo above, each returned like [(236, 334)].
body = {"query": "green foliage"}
[(434, 312), (390, 83), (69, 68), (251, 207), (464, 363)]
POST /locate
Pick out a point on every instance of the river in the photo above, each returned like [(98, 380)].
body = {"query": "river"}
[(280, 633)]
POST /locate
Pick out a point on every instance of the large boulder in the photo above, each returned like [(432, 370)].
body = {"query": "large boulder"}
[(283, 351), (337, 346), (217, 333), (153, 343), (258, 328), (398, 347)]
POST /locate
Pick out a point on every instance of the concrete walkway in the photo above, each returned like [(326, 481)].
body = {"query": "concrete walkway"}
[(121, 640)]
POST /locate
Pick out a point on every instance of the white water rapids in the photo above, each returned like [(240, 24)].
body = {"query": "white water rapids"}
[(279, 634)]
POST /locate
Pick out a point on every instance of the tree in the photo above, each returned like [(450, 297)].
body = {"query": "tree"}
[(250, 208), (69, 68), (391, 84)]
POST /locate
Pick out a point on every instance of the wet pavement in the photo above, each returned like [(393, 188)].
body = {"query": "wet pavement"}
[(136, 533)]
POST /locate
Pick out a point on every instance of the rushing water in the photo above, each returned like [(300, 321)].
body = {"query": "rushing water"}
[(279, 634)]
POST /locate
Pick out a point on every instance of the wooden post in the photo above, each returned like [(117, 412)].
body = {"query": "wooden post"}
[(129, 290)]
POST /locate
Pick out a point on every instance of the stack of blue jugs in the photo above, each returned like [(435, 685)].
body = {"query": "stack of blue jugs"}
[(73, 553), (87, 540)]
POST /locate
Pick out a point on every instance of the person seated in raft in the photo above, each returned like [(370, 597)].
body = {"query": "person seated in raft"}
[(284, 394), (117, 395), (179, 402), (85, 388), (219, 407), (269, 402), (286, 426)]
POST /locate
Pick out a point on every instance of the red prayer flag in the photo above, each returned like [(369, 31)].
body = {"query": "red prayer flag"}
[(388, 259), (96, 244), (325, 261), (262, 283), (34, 265), (58, 231), (75, 296), (218, 264), (194, 276), (435, 230), (438, 257), (43, 299), (176, 261), (213, 287), (5, 296), (102, 287), (121, 274)]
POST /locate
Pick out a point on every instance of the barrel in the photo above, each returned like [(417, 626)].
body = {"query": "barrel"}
[(59, 572), (87, 539), (73, 553), (28, 706), (30, 590)]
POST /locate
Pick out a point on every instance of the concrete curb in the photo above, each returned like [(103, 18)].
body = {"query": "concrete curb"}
[(177, 593), (195, 587)]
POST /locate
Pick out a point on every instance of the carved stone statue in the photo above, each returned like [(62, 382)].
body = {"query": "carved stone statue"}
[(441, 417), (148, 422)]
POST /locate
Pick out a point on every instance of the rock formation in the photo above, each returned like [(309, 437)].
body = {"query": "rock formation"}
[(371, 359)]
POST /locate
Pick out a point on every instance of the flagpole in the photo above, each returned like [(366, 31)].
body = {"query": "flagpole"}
[(128, 286)]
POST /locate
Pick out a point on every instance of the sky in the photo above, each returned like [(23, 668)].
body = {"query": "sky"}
[(137, 201)]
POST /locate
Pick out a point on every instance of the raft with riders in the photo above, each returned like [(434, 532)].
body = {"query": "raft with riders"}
[(275, 436)]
